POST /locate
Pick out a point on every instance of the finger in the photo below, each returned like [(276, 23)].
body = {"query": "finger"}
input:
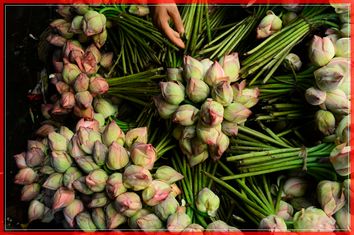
[(176, 17), (172, 35)]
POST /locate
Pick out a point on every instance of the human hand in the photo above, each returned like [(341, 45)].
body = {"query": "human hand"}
[(161, 16)]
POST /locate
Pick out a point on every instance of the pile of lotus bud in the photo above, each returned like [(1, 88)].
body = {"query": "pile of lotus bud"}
[(78, 61), (207, 104), (101, 178)]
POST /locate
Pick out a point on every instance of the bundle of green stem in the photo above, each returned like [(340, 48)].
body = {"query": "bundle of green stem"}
[(269, 55), (137, 88), (161, 139)]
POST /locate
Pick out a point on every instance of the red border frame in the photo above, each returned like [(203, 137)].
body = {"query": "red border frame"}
[(2, 80)]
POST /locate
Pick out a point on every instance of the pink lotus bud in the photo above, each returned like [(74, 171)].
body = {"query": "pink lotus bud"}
[(136, 135), (100, 152), (128, 203), (340, 159), (61, 161), (273, 223), (80, 186), (64, 11), (237, 113), (70, 175), (247, 96), (84, 99), (315, 96), (87, 139), (166, 208), (178, 221), (70, 72), (98, 85), (185, 115), (197, 90), (98, 200), (96, 180), (83, 113), (25, 176), (89, 63), (20, 160), (330, 196), (84, 222), (222, 143), (45, 130), (46, 110), (93, 23), (325, 122), (98, 218), (229, 128), (54, 181), (72, 210), (35, 210), (208, 135), (62, 26), (100, 39), (114, 185), (132, 222), (231, 66), (321, 51), (112, 133), (67, 100), (113, 218), (104, 107), (193, 228), (215, 74), (314, 220), (117, 157), (86, 163), (173, 92), (149, 222), (328, 79), (222, 93), (91, 124), (156, 192), (211, 113), (29, 192), (81, 83), (34, 144), (74, 148), (167, 174), (106, 60), (192, 68), (62, 198), (58, 111), (337, 102), (295, 187), (76, 24), (139, 10), (285, 210), (62, 87), (164, 109), (136, 177), (71, 46), (269, 25), (143, 155), (56, 40)]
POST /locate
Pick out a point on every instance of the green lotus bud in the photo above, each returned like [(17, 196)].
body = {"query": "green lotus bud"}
[(35, 210), (342, 66), (345, 30), (96, 180), (337, 102), (343, 131), (99, 118), (62, 198), (222, 93), (237, 113), (172, 92), (289, 17), (248, 97), (295, 187), (198, 158), (34, 157), (76, 24), (193, 228), (315, 96), (72, 210), (300, 202), (99, 153), (70, 72), (198, 146), (330, 195), (269, 25), (98, 200), (215, 74), (178, 221), (100, 39), (57, 142), (84, 99), (70, 175), (273, 223), (104, 107), (174, 74), (325, 122), (93, 23), (80, 186), (166, 208), (139, 10), (117, 157), (98, 85), (208, 135), (46, 170), (207, 202), (185, 140), (66, 132), (86, 163), (64, 11), (113, 218), (313, 220), (185, 115), (106, 59), (143, 155), (136, 177), (112, 133), (229, 128), (206, 63), (343, 47), (114, 185), (167, 174), (74, 148), (221, 226), (342, 218), (328, 79), (321, 51), (62, 27), (136, 135), (197, 90), (98, 218), (211, 113), (80, 9), (132, 222), (285, 210), (192, 68), (156, 192), (128, 203), (84, 222), (164, 109), (292, 62), (149, 222), (54, 181), (222, 143), (61, 161), (29, 192), (231, 66)]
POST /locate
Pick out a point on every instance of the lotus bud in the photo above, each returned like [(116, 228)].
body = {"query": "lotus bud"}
[(84, 222), (269, 25), (25, 176), (215, 74), (273, 223), (81, 83), (54, 181), (36, 144), (29, 192), (106, 59), (343, 47), (330, 195), (99, 153), (98, 200), (86, 163), (128, 203), (167, 174), (325, 122), (174, 74), (207, 202), (104, 107), (293, 7), (45, 130), (96, 180), (211, 113), (321, 51), (289, 17), (20, 160), (62, 198), (178, 221), (237, 113), (222, 143), (98, 218), (113, 133), (300, 202), (192, 68), (175, 190), (193, 228), (221, 226), (149, 222), (87, 138), (222, 93), (70, 72), (67, 100), (80, 186), (197, 158), (100, 39), (342, 65), (84, 99), (117, 157), (315, 96), (81, 9), (347, 190), (114, 185), (139, 10), (172, 92), (197, 90), (56, 40), (337, 102), (248, 97), (93, 23), (143, 155), (340, 8), (136, 135), (292, 62), (295, 187), (231, 66), (57, 110), (113, 218), (328, 79), (61, 161), (166, 208), (70, 175), (57, 142), (164, 109), (62, 27), (185, 143), (345, 30), (100, 119), (314, 220), (185, 115), (98, 85), (76, 24), (35, 210), (342, 218), (90, 124), (90, 63), (198, 146), (207, 63), (46, 170), (285, 210), (64, 11), (74, 148), (156, 192), (208, 135), (229, 128), (34, 157), (136, 177), (132, 222), (343, 130), (72, 210), (70, 47), (46, 110)]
